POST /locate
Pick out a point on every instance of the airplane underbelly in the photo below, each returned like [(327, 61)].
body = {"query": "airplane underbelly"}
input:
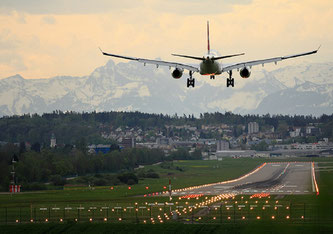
[(210, 69)]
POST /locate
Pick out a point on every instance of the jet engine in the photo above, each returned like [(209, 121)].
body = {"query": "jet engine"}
[(245, 72), (177, 73)]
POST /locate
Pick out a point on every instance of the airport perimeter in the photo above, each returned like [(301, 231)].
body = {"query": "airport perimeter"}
[(269, 193)]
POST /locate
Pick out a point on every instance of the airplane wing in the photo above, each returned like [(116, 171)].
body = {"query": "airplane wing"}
[(155, 62), (263, 61)]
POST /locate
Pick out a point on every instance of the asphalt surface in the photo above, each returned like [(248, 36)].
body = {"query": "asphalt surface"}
[(272, 178)]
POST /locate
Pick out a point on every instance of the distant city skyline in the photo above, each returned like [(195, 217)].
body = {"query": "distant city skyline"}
[(41, 39)]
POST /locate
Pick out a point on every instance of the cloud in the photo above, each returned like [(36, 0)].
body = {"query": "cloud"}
[(195, 7), (62, 37), (184, 7), (66, 6), (48, 20)]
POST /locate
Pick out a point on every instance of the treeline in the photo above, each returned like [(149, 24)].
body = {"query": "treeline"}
[(53, 166), (34, 169), (69, 127)]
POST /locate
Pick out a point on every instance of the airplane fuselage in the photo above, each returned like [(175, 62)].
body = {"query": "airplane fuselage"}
[(210, 67)]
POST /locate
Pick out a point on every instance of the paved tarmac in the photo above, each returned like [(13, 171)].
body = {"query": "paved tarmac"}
[(273, 178)]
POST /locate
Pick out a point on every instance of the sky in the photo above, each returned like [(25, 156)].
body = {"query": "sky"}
[(41, 39)]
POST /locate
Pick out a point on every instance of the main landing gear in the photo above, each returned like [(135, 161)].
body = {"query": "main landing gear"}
[(212, 77), (230, 80), (190, 81)]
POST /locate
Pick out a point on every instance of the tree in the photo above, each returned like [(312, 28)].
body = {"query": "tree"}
[(22, 148), (128, 178), (262, 146), (196, 155), (57, 180), (35, 147), (82, 145)]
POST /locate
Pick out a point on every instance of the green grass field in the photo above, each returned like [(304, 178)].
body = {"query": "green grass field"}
[(103, 206)]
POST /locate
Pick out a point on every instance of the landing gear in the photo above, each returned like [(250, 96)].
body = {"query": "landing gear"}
[(190, 81), (212, 77), (230, 80)]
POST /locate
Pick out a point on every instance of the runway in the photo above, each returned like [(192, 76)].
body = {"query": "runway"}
[(273, 178)]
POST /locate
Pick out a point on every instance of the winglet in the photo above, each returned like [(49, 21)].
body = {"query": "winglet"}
[(101, 50), (318, 47)]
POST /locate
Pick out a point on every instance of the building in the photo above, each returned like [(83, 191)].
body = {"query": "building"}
[(53, 141), (222, 145), (164, 141), (128, 142), (253, 127), (235, 153), (311, 130), (102, 148), (296, 133)]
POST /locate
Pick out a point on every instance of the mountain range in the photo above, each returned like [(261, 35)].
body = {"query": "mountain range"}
[(305, 89)]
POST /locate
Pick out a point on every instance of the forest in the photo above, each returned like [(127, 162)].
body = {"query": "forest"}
[(36, 169)]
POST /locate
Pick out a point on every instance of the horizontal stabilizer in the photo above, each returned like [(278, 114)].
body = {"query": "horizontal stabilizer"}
[(227, 56), (187, 56)]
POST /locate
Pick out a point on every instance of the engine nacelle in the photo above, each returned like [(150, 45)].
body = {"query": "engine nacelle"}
[(177, 73), (245, 72)]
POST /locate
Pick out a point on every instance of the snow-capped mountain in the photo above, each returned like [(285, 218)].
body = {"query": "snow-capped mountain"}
[(301, 89)]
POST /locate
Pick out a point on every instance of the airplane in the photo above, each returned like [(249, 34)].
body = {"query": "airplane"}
[(209, 65)]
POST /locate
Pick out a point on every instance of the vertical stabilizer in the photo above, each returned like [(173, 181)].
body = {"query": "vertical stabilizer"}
[(208, 44)]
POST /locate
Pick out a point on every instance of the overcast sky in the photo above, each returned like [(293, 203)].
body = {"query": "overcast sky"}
[(40, 39)]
